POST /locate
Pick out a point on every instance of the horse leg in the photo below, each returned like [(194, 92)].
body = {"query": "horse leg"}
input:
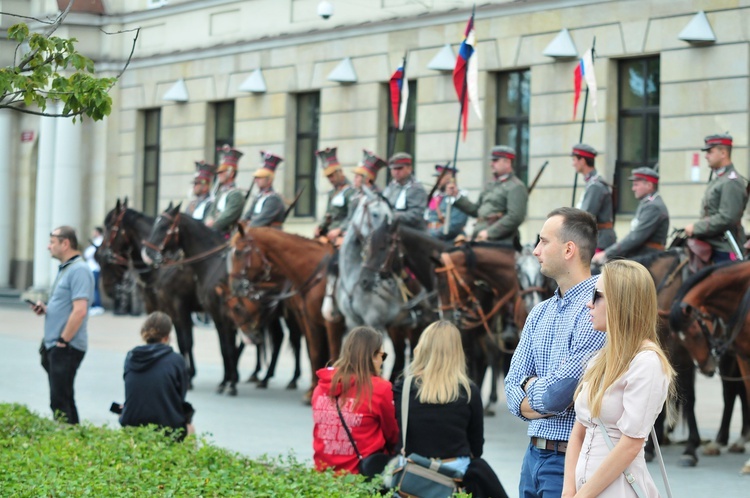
[(398, 338), (295, 339), (728, 368), (230, 354), (255, 376), (739, 445), (277, 339), (689, 457), (744, 365), (183, 326)]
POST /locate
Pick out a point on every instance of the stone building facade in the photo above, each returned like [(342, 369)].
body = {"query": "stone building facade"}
[(262, 75)]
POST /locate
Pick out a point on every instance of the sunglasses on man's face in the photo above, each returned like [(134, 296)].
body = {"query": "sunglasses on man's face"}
[(596, 295)]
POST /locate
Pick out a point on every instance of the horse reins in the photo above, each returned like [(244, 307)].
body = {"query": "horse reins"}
[(174, 231), (456, 303)]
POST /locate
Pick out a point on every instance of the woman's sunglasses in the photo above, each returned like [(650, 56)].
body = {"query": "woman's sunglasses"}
[(383, 355), (596, 295)]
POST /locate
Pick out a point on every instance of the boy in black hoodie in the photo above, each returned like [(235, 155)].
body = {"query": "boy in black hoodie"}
[(156, 380)]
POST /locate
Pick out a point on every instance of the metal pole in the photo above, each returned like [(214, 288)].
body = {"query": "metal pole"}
[(583, 124)]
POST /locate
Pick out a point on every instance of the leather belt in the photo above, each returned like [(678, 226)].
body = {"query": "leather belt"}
[(549, 445), (605, 226), (655, 245)]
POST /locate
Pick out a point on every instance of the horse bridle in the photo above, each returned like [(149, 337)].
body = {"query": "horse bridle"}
[(113, 232), (174, 232), (717, 345)]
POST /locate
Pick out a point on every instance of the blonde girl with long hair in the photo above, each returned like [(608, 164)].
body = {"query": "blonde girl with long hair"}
[(624, 388), (445, 419)]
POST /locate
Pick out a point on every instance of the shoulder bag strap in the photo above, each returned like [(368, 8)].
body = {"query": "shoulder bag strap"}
[(346, 428), (661, 463), (628, 476), (405, 411)]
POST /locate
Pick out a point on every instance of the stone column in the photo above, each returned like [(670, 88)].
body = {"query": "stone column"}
[(6, 200), (43, 201), (68, 176)]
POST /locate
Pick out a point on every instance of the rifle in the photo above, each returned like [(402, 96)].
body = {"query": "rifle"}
[(437, 183), (247, 194), (538, 175), (294, 202)]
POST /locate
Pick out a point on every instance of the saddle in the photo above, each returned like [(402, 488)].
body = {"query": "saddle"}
[(699, 254)]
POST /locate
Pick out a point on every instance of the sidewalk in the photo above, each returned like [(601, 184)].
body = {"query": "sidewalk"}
[(275, 421)]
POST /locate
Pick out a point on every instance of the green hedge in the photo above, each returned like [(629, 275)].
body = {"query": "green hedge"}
[(40, 457)]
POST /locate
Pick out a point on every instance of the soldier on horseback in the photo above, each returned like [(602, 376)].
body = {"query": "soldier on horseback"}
[(227, 209), (597, 195), (444, 222), (502, 204), (723, 203), (650, 225), (201, 200), (365, 175), (338, 197), (267, 209), (405, 194)]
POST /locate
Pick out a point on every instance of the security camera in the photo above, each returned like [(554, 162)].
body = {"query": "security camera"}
[(325, 9)]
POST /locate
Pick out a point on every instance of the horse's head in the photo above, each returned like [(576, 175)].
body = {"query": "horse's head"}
[(380, 255), (164, 237), (694, 328), (372, 212), (534, 285), (246, 264), (245, 313)]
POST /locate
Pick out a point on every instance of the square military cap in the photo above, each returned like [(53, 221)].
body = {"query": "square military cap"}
[(270, 162), (499, 151), (584, 150), (720, 139), (645, 173)]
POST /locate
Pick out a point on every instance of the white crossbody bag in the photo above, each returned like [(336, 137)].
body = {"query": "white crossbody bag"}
[(628, 475)]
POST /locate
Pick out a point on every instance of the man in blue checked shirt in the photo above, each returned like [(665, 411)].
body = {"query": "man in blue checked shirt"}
[(556, 342)]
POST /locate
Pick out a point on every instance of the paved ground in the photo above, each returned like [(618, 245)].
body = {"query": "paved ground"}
[(274, 421)]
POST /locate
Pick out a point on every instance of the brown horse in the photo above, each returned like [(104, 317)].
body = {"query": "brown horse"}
[(710, 313), (268, 264), (477, 283)]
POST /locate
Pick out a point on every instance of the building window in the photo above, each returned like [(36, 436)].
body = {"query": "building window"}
[(638, 124), (223, 127), (308, 121), (513, 96), (151, 151), (403, 140)]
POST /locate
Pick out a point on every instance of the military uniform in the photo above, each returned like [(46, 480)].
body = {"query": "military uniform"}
[(648, 230), (597, 200), (199, 205), (409, 201), (227, 208), (722, 208), (339, 205), (267, 209), (597, 196), (500, 210)]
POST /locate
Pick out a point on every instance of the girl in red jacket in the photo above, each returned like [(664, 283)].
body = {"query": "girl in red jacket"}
[(365, 400)]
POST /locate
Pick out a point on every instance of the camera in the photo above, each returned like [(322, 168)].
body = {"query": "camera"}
[(325, 9), (116, 408)]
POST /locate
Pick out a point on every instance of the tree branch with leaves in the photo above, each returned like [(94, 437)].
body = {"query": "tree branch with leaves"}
[(48, 68)]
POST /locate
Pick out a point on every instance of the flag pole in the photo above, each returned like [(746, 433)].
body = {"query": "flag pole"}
[(583, 124)]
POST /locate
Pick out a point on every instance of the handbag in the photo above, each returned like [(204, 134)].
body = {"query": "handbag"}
[(368, 466), (417, 476), (628, 475)]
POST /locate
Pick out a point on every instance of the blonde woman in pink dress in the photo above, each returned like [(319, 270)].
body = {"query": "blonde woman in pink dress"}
[(623, 388)]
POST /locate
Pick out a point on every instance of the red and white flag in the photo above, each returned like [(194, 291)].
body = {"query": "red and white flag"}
[(399, 95), (585, 72), (466, 75)]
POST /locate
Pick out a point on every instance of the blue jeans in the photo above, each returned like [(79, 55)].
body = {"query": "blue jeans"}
[(722, 257), (97, 296), (541, 473)]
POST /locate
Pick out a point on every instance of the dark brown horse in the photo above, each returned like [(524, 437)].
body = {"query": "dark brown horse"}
[(171, 290), (711, 315), (269, 265), (205, 252)]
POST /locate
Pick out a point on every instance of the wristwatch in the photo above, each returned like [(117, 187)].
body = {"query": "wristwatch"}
[(526, 381), (60, 339)]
